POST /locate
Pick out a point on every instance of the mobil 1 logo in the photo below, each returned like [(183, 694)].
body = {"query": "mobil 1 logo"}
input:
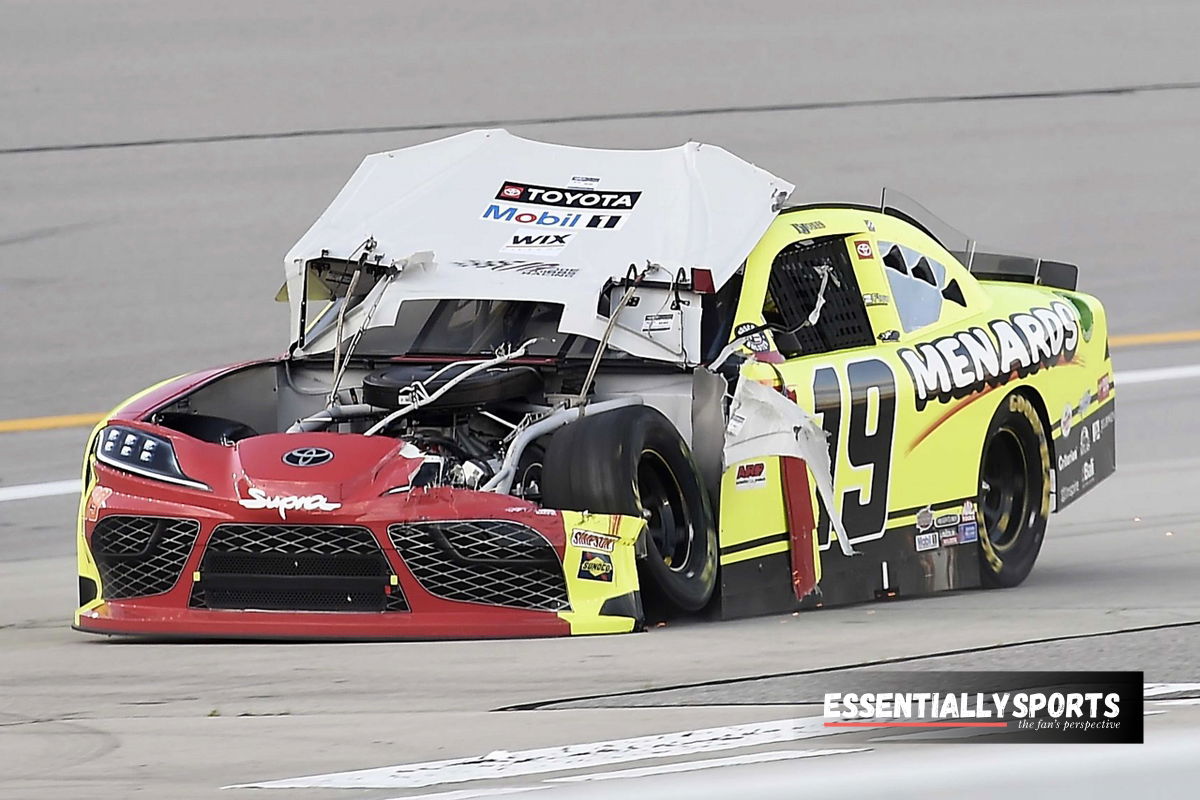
[(556, 219)]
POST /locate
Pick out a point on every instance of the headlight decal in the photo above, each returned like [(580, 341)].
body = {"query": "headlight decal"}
[(142, 454)]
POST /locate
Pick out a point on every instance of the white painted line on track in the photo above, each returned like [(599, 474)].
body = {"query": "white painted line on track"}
[(467, 794), (503, 764), (689, 766), (30, 491), (1135, 376), (1159, 689)]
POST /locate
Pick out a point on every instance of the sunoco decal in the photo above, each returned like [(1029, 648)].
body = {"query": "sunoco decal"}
[(595, 566), (956, 366)]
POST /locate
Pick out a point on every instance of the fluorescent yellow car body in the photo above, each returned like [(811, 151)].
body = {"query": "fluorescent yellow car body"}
[(893, 461)]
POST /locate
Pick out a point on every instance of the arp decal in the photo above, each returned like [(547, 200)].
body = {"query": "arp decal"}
[(752, 475), (514, 192), (966, 362), (594, 566), (590, 540), (866, 444), (541, 269)]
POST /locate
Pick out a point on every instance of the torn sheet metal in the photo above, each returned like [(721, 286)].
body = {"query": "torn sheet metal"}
[(762, 422)]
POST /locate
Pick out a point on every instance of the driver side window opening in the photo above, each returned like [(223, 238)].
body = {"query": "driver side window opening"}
[(813, 294)]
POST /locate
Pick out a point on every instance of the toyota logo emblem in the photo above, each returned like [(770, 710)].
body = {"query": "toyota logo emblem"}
[(308, 457)]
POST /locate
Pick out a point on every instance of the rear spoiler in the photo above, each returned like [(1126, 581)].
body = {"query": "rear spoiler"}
[(1020, 269)]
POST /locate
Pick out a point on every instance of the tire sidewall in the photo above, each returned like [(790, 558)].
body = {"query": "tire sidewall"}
[(1010, 564)]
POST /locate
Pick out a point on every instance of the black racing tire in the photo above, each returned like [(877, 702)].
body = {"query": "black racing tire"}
[(632, 461), (1014, 493)]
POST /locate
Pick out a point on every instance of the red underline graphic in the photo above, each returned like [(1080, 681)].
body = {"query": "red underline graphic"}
[(916, 724)]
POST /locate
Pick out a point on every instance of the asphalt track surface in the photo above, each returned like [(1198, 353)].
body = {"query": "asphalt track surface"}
[(157, 160)]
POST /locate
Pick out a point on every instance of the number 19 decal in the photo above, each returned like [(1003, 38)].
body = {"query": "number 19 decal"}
[(866, 438)]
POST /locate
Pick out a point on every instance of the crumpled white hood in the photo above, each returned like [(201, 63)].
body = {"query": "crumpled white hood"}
[(510, 218)]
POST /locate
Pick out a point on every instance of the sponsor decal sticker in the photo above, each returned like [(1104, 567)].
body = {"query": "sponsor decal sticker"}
[(966, 362), (96, 501), (541, 269), (596, 566), (862, 248), (876, 299), (968, 511), (1103, 388), (925, 519), (946, 520), (590, 540), (949, 537), (566, 197), (1085, 439), (583, 182), (968, 532), (1085, 402), (751, 476), (535, 241), (1064, 425), (758, 343), (927, 541), (658, 322), (736, 421), (284, 503), (806, 228), (870, 225)]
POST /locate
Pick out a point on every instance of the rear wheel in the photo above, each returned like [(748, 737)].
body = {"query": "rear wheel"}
[(1014, 493), (633, 461)]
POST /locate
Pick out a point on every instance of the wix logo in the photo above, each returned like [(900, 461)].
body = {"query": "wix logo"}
[(536, 241)]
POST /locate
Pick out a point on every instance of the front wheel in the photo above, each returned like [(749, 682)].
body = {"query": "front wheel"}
[(633, 461), (1014, 493)]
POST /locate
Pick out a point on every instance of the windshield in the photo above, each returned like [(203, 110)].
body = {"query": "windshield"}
[(459, 327)]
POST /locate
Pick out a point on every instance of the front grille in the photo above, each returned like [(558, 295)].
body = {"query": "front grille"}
[(496, 562), (295, 568), (141, 556)]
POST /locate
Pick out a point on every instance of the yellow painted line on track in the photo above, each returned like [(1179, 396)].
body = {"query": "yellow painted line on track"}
[(49, 423), (87, 420), (1167, 337)]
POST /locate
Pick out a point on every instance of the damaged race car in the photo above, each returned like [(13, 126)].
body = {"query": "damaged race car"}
[(537, 390)]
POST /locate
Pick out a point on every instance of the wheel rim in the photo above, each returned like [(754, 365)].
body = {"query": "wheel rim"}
[(667, 520), (1004, 489)]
